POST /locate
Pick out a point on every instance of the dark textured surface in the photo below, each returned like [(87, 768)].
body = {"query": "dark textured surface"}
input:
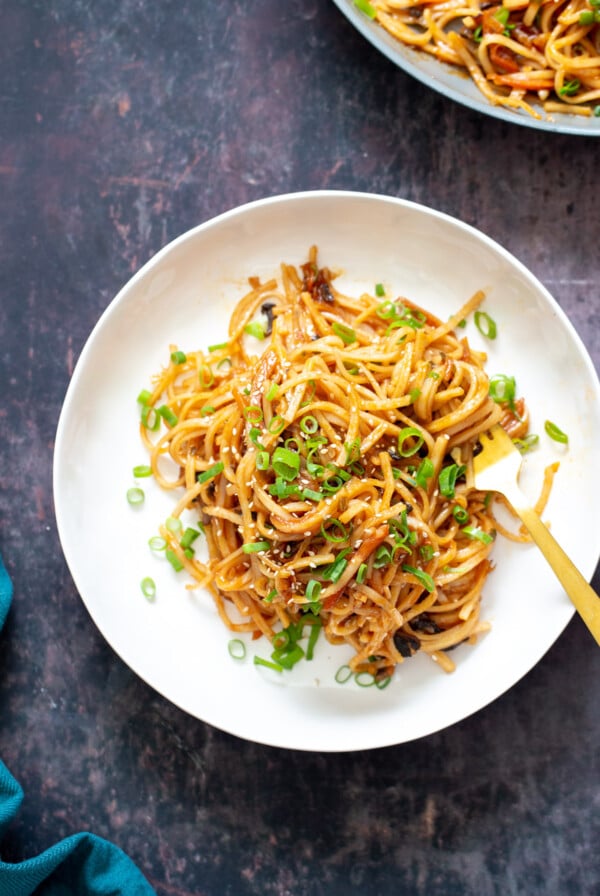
[(122, 125)]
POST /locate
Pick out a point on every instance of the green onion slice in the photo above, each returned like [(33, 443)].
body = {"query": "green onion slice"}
[(424, 472), (555, 433), (135, 496), (336, 532), (178, 357), (312, 495), (315, 630), (150, 418), (253, 414), (424, 578), (157, 543), (460, 514), (237, 649), (144, 397), (313, 590), (148, 586), (309, 425), (276, 425), (364, 679), (286, 463), (447, 479), (141, 471), (346, 334), (211, 472), (189, 537), (174, 560), (405, 449), (485, 324), (255, 329), (273, 391), (259, 661), (527, 443), (503, 389), (343, 674), (478, 534), (167, 414), (361, 573), (263, 460), (255, 547)]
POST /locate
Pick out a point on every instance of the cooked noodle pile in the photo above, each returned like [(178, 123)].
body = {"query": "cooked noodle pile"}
[(332, 471), (517, 52)]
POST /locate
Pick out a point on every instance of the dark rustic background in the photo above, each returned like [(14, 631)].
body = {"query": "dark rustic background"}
[(124, 123)]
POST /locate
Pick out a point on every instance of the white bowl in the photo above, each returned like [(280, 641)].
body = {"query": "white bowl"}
[(184, 295)]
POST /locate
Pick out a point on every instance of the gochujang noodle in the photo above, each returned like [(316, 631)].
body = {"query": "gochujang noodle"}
[(325, 449)]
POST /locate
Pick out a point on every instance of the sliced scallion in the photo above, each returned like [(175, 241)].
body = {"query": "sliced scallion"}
[(405, 436), (211, 472), (237, 649), (447, 479), (263, 460), (167, 414), (255, 329), (309, 425), (253, 414), (555, 433), (364, 679), (424, 472), (485, 324), (255, 547), (148, 586), (144, 397), (313, 637), (345, 333), (150, 418), (423, 577), (276, 425), (460, 514), (478, 534), (343, 674), (259, 661), (135, 496), (174, 560), (286, 463), (189, 537), (335, 532)]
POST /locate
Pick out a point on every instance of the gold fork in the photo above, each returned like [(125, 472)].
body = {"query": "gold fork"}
[(497, 469)]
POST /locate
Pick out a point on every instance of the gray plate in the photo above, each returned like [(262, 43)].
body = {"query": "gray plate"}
[(450, 81)]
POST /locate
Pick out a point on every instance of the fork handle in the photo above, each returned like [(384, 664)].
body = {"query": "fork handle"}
[(583, 596)]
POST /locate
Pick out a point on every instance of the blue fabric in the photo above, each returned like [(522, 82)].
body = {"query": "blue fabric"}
[(80, 865)]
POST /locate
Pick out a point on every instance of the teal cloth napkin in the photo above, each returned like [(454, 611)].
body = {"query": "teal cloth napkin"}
[(80, 865)]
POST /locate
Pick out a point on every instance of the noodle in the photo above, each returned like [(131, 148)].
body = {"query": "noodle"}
[(332, 472), (516, 52)]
